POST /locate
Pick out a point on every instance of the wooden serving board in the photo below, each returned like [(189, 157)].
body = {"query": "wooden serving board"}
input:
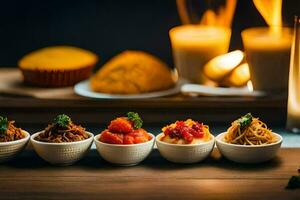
[(11, 83), (29, 177), (36, 106)]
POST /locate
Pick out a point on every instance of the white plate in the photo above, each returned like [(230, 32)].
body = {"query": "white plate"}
[(196, 89), (83, 89)]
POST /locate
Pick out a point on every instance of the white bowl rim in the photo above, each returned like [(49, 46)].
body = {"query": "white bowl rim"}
[(219, 138), (157, 139), (62, 143), (26, 138), (124, 145)]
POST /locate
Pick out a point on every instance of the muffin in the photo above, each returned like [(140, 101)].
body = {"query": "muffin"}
[(132, 72), (57, 66)]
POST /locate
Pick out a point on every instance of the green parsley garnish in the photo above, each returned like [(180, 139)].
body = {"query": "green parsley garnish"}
[(3, 125), (245, 120), (294, 182), (135, 118), (62, 121)]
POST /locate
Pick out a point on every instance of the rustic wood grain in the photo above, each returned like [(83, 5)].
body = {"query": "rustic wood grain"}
[(154, 111), (29, 177)]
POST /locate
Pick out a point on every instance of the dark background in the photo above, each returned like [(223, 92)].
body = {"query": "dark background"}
[(106, 27)]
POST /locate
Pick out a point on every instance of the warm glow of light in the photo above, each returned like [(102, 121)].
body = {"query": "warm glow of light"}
[(220, 66), (293, 115), (250, 86), (195, 35), (221, 17), (263, 39), (271, 12), (201, 42)]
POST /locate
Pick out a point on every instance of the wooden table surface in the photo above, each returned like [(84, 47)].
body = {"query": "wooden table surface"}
[(29, 177)]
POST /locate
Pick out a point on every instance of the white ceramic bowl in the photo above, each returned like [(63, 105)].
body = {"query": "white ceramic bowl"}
[(8, 150), (65, 153), (246, 153), (185, 153), (126, 155)]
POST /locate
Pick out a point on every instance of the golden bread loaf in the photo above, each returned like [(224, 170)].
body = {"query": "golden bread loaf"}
[(132, 72)]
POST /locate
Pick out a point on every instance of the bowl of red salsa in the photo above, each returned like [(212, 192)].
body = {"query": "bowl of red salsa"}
[(124, 141)]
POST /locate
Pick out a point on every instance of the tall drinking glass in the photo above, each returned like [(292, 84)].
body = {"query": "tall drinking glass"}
[(205, 34), (293, 111)]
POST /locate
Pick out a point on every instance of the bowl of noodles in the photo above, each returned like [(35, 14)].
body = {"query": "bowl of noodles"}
[(62, 142), (12, 139), (248, 140)]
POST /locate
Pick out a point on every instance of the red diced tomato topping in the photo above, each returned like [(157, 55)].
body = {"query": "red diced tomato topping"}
[(120, 125), (122, 131), (187, 130), (128, 139), (111, 138)]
